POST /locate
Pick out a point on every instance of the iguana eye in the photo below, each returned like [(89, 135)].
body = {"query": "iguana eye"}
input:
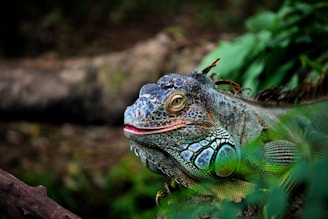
[(176, 103)]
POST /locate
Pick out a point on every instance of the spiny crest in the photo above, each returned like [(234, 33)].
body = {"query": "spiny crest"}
[(306, 91), (202, 77)]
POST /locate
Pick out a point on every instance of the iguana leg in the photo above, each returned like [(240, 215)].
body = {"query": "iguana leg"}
[(232, 189), (169, 187), (161, 194)]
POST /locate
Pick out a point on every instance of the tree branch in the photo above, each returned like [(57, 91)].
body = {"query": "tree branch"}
[(19, 200)]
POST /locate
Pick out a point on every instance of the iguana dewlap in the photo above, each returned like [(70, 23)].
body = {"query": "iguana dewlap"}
[(187, 129)]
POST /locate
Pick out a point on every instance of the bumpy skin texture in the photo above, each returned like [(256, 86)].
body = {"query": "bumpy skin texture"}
[(185, 128)]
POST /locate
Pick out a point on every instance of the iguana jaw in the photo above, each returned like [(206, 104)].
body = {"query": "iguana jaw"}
[(133, 130)]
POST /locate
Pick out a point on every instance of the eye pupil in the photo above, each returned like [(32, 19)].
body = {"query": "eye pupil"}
[(176, 103)]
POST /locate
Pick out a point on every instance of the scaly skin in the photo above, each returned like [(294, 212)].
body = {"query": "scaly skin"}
[(185, 128)]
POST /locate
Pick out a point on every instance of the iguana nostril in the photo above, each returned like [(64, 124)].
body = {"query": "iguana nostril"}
[(139, 113)]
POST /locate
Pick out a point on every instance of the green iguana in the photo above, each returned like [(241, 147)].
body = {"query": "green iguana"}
[(187, 129)]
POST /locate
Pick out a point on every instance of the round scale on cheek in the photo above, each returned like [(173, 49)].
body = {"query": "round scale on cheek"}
[(226, 161), (203, 159), (186, 155), (184, 146), (204, 142), (195, 147)]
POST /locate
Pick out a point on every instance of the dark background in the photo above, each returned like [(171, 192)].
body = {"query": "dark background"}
[(88, 27)]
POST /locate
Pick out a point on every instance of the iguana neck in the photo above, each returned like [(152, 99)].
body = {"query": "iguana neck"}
[(241, 119)]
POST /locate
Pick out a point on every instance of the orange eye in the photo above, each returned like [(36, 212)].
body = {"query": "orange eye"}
[(176, 103)]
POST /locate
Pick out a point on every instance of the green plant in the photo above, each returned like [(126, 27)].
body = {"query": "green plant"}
[(131, 190), (279, 49)]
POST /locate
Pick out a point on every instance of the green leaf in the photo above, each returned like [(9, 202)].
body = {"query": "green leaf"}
[(261, 21), (251, 79), (276, 203), (234, 54), (228, 51), (304, 8), (277, 77)]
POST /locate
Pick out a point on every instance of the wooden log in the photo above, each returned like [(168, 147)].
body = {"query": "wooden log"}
[(19, 200), (79, 90)]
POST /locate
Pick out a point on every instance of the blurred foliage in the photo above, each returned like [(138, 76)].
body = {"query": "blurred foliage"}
[(66, 27), (132, 190), (303, 194), (280, 48), (79, 168)]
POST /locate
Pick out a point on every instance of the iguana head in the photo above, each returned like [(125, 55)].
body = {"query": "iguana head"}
[(172, 125)]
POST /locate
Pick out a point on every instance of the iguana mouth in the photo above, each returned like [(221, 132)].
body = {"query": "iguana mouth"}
[(130, 129)]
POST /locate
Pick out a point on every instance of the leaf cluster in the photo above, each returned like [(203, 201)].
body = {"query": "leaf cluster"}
[(281, 48)]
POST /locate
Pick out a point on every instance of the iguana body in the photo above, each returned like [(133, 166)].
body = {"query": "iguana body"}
[(185, 128)]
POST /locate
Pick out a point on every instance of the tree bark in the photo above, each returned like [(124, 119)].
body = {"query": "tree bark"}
[(19, 200), (81, 90)]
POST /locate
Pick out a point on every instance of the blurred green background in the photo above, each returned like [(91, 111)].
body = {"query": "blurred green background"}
[(89, 169), (69, 27)]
